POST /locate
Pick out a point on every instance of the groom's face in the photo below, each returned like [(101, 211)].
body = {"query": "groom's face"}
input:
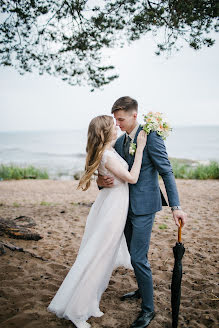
[(126, 120)]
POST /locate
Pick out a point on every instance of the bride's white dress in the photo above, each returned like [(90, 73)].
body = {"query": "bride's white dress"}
[(102, 249)]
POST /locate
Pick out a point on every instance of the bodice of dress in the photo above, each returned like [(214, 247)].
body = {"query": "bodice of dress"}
[(116, 158)]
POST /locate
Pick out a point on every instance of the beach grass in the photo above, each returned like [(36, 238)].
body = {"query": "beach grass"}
[(43, 203), (185, 170), (15, 204), (8, 172), (182, 169), (163, 226)]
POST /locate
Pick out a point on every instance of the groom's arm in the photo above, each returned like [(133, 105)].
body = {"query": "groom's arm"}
[(158, 154)]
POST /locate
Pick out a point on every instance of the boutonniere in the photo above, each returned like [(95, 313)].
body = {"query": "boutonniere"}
[(132, 148)]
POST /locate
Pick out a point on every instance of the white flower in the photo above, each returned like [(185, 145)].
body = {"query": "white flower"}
[(132, 148)]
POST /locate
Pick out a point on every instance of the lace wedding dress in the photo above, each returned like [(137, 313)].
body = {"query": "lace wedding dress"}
[(102, 249)]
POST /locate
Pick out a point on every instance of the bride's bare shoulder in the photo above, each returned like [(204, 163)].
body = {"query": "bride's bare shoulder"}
[(108, 153)]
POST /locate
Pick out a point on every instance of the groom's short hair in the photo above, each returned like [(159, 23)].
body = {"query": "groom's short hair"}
[(125, 103)]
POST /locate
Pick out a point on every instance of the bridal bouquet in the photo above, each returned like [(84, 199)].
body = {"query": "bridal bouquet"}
[(156, 122)]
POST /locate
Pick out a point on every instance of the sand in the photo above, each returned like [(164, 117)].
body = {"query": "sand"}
[(28, 284)]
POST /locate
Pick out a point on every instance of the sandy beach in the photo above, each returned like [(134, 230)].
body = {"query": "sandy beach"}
[(27, 283)]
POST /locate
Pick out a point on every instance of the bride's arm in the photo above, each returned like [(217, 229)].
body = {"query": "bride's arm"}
[(118, 169)]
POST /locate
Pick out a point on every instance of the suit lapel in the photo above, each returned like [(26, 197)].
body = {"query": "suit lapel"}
[(136, 135), (131, 158), (120, 146)]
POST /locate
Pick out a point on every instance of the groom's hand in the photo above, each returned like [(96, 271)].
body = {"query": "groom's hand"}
[(179, 215), (105, 181)]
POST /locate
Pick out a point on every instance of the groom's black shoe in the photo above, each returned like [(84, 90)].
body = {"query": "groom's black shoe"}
[(143, 320), (132, 295)]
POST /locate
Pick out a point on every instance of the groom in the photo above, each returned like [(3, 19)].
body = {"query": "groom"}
[(145, 199)]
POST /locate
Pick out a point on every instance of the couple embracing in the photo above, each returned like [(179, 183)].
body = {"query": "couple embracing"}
[(119, 225)]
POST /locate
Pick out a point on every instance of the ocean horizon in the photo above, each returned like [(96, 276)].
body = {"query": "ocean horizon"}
[(62, 152)]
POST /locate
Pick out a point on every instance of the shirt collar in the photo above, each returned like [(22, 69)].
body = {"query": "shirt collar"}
[(133, 132)]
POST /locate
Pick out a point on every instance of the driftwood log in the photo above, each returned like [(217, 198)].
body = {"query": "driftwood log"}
[(86, 204), (2, 249), (18, 228), (19, 249)]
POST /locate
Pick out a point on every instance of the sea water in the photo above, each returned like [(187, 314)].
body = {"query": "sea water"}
[(62, 153)]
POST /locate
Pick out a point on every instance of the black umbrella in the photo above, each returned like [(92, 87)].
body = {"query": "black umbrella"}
[(178, 252)]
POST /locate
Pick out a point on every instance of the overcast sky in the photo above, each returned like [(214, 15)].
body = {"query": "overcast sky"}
[(184, 87)]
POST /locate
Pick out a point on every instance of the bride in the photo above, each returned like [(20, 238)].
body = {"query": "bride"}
[(103, 245)]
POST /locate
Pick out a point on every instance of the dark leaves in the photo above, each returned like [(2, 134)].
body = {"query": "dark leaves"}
[(65, 38)]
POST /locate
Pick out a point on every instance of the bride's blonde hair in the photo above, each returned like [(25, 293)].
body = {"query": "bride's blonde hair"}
[(98, 136)]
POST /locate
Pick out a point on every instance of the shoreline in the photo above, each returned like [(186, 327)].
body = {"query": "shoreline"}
[(70, 174)]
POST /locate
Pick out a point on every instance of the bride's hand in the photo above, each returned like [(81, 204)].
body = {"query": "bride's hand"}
[(141, 140)]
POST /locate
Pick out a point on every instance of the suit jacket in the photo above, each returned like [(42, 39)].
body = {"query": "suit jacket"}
[(145, 196)]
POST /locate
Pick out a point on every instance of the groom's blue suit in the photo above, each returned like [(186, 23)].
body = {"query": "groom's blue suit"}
[(145, 199)]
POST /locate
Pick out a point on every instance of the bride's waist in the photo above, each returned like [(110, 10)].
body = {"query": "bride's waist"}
[(119, 184)]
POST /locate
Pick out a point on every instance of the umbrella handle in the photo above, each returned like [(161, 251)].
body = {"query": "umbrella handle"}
[(180, 231)]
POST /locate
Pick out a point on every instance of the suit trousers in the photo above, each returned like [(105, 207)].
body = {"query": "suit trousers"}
[(138, 234)]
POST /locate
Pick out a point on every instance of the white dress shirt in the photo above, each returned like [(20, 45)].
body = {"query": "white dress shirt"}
[(133, 132)]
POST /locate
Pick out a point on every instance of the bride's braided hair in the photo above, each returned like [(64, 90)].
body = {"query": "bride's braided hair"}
[(98, 136)]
